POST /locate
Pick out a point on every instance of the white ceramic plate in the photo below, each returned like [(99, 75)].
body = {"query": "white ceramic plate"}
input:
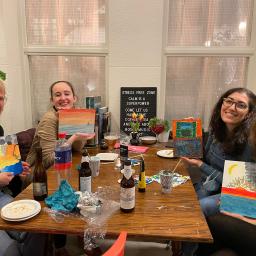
[(20, 210), (107, 156), (167, 153)]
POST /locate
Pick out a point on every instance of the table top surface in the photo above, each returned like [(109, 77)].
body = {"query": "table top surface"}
[(174, 216)]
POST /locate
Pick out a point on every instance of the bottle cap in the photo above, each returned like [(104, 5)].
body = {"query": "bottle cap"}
[(127, 162), (62, 135)]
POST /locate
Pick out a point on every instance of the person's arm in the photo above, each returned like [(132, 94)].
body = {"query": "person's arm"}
[(47, 133), (202, 165)]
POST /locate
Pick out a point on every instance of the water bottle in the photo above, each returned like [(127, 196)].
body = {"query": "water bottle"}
[(63, 158)]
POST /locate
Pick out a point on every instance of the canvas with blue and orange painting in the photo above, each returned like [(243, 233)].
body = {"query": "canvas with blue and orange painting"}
[(238, 193), (10, 160), (72, 121), (187, 138)]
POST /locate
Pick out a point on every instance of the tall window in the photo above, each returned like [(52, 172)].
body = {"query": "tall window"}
[(207, 53), (65, 40)]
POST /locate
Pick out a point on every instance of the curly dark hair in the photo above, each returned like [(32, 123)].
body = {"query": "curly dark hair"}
[(233, 143)]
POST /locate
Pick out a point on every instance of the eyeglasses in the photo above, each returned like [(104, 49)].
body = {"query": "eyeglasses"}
[(238, 105), (3, 99)]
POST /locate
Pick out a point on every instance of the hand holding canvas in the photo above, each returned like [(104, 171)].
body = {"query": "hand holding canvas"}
[(238, 216), (26, 170), (192, 161), (5, 178), (80, 136)]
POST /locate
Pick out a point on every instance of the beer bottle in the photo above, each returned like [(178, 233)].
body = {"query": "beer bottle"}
[(127, 194), (142, 177), (40, 190), (85, 155), (85, 177)]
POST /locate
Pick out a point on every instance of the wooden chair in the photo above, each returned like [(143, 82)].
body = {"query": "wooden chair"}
[(117, 249)]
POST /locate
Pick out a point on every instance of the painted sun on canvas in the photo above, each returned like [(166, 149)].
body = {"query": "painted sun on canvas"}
[(238, 193)]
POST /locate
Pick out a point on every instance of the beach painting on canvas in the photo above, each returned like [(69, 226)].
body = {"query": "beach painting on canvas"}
[(72, 121), (238, 193), (10, 159)]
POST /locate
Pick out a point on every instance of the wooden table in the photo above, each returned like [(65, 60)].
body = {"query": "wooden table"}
[(157, 217)]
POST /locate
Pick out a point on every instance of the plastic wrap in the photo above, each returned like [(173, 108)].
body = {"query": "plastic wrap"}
[(94, 208)]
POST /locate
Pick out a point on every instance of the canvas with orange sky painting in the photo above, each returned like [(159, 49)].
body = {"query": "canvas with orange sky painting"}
[(72, 121), (238, 193)]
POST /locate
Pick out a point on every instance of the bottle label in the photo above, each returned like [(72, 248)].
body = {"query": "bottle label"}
[(127, 198), (127, 173), (85, 184), (39, 189), (142, 180), (85, 159), (63, 159)]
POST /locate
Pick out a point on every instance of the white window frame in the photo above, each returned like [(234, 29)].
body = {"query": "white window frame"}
[(237, 51), (28, 51)]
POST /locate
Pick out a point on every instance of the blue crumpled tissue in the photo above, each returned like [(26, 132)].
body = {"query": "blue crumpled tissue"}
[(64, 199)]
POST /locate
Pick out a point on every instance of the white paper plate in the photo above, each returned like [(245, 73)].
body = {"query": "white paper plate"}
[(20, 210), (107, 156), (167, 153)]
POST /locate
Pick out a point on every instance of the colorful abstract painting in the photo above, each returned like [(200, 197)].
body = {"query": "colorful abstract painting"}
[(10, 155), (187, 138), (238, 193), (72, 121)]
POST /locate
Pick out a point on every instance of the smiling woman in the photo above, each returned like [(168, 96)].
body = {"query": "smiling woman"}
[(228, 140), (62, 97)]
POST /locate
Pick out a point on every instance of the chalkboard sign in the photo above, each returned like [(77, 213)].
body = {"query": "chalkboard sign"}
[(141, 100)]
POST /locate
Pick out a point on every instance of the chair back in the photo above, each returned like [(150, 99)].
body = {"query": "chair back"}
[(117, 249)]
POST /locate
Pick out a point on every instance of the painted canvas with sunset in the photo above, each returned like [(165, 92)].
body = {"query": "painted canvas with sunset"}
[(76, 120), (238, 193)]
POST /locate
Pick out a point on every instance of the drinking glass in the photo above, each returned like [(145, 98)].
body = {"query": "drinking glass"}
[(111, 139)]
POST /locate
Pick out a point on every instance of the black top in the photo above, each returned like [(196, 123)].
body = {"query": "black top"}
[(1, 131)]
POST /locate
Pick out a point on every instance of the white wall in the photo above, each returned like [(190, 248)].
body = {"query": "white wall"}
[(13, 118), (135, 47)]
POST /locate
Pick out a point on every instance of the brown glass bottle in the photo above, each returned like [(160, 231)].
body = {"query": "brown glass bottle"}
[(40, 190), (85, 177), (127, 193)]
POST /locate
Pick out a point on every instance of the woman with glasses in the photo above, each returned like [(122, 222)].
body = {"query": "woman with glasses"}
[(228, 140), (229, 131)]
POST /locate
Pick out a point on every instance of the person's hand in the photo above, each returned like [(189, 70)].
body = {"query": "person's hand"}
[(80, 136), (5, 178), (192, 161), (26, 169), (238, 216), (87, 136)]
